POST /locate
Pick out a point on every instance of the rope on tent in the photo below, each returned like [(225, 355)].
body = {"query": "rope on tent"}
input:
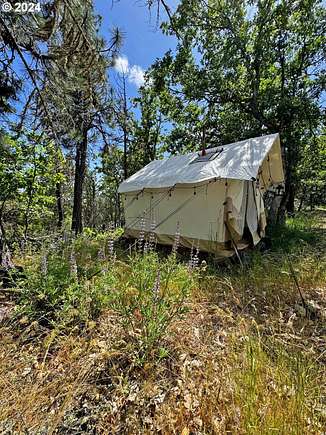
[(134, 199), (151, 207), (254, 193), (176, 210), (269, 169), (158, 201)]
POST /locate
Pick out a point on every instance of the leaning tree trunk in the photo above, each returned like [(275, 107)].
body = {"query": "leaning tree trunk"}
[(80, 169)]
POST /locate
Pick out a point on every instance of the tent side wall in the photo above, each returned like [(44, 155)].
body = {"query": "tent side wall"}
[(271, 170), (201, 212)]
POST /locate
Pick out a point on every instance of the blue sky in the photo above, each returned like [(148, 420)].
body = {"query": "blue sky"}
[(144, 41)]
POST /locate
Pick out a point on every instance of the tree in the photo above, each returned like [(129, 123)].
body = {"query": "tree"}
[(148, 129), (257, 67), (27, 186), (123, 118), (312, 171), (86, 103), (111, 170), (66, 61)]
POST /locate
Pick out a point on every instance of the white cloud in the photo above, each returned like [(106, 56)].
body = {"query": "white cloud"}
[(121, 64), (135, 73)]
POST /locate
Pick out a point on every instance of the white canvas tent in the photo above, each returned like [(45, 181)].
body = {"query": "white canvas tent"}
[(215, 199)]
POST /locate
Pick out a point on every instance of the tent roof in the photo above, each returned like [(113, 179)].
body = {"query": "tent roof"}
[(238, 160)]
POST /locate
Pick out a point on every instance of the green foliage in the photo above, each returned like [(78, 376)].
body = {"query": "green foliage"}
[(54, 293), (27, 181), (57, 299), (312, 171), (147, 293), (150, 294), (296, 233), (257, 67), (148, 133)]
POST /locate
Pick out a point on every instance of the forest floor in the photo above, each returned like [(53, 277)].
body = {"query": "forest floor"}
[(242, 355)]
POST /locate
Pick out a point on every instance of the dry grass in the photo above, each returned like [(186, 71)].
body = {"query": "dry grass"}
[(244, 359)]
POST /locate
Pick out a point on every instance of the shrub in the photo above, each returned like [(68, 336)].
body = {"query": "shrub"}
[(70, 288), (149, 294)]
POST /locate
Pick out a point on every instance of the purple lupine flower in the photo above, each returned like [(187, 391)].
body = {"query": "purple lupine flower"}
[(73, 264), (196, 257), (111, 247), (146, 247), (191, 260), (141, 235), (111, 241), (152, 236)]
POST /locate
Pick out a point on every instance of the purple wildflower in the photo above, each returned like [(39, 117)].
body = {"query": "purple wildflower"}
[(176, 242), (111, 241), (191, 260), (196, 257), (73, 264), (152, 237), (141, 235)]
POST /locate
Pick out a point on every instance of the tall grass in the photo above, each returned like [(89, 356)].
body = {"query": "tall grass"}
[(277, 390), (107, 342)]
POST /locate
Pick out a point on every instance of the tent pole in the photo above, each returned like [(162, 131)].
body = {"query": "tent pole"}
[(234, 244)]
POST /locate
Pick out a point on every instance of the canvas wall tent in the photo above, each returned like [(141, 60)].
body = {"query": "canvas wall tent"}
[(215, 199)]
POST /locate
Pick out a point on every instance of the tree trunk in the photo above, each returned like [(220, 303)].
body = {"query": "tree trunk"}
[(80, 168), (290, 156), (273, 212), (58, 194), (291, 196), (125, 159), (287, 202)]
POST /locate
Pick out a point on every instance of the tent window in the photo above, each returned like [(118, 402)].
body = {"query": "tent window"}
[(209, 156)]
